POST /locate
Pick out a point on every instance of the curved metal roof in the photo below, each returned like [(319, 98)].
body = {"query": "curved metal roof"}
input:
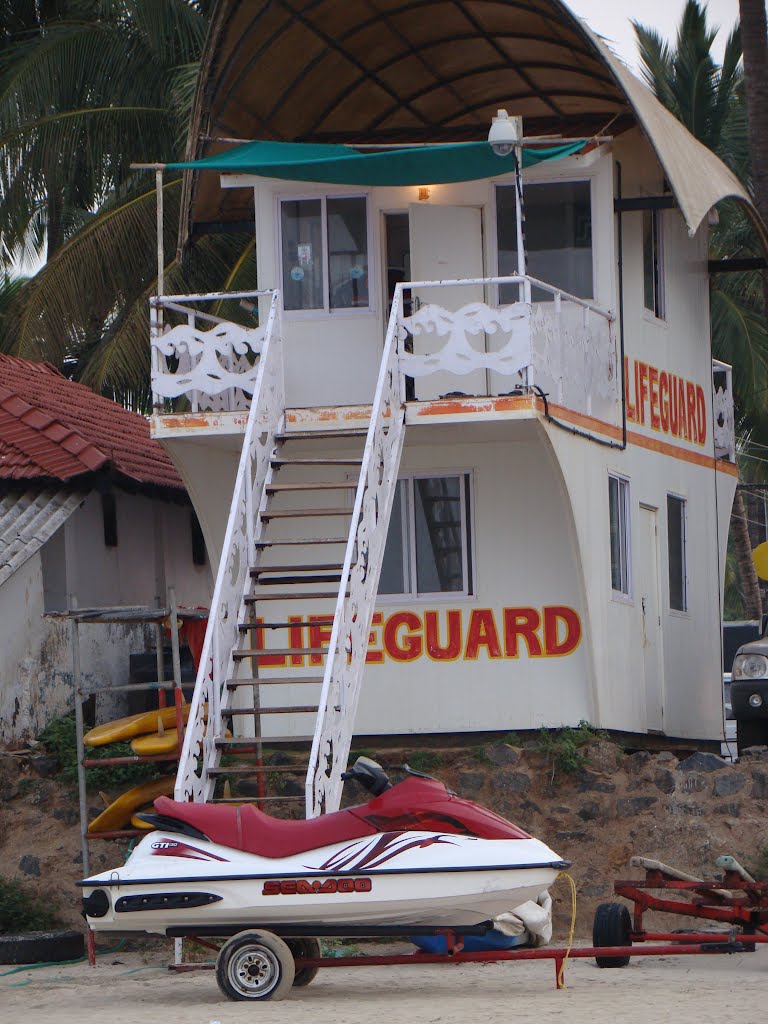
[(378, 71)]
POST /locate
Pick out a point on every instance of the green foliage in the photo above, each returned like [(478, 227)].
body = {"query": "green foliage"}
[(20, 911), (759, 866), (424, 760), (59, 739), (562, 747), (512, 739)]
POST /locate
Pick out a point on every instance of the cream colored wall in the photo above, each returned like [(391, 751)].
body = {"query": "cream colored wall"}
[(333, 359)]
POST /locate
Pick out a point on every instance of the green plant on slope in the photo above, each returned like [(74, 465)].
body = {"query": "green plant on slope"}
[(59, 739), (20, 911), (562, 747)]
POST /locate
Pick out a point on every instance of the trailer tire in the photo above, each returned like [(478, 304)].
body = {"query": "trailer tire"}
[(41, 947), (308, 948), (612, 927), (255, 965)]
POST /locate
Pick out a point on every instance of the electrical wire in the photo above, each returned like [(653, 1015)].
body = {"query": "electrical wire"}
[(569, 947)]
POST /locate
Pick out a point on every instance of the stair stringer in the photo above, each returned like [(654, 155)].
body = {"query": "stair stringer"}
[(348, 646), (244, 528)]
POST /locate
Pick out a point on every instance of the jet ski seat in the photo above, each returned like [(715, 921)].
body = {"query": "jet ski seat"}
[(248, 829)]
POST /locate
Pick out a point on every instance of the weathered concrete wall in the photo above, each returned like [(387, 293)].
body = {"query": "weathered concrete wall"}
[(154, 550)]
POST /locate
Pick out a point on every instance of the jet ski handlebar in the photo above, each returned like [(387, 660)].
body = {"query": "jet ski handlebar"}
[(369, 774)]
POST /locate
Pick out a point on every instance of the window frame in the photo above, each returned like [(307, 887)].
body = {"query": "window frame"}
[(657, 312), (326, 310), (625, 520), (684, 581), (553, 179), (469, 591)]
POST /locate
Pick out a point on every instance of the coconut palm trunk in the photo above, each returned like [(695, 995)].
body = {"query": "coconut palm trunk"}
[(754, 41)]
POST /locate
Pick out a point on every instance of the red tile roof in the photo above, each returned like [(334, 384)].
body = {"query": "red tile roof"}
[(52, 427)]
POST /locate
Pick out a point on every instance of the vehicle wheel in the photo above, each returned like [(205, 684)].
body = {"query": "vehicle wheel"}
[(305, 948), (612, 927), (41, 947), (751, 733), (255, 965)]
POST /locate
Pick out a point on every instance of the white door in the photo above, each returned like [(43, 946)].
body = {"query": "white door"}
[(446, 245), (649, 605)]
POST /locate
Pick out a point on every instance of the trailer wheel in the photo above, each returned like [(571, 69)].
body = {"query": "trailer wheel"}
[(255, 965), (612, 927), (304, 948)]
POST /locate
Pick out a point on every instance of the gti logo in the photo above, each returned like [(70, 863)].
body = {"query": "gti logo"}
[(164, 844)]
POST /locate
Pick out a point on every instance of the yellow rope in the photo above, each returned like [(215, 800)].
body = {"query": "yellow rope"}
[(561, 971)]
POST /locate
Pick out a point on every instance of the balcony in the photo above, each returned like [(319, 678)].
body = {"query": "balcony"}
[(562, 347)]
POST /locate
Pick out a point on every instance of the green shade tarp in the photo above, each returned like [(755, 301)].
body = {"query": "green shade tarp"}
[(342, 165)]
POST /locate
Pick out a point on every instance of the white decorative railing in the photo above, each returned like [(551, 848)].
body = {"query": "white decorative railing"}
[(564, 345), (215, 367), (211, 697), (724, 428), (348, 644)]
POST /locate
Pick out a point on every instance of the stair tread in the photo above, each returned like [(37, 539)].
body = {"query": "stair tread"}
[(256, 769), (271, 581), (233, 684), (301, 595), (265, 741), (246, 627), (250, 799), (299, 513), (295, 435), (285, 709), (331, 461), (318, 566), (300, 541), (253, 652), (319, 485)]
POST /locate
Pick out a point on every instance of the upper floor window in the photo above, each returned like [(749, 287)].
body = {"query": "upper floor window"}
[(558, 237), (653, 263), (618, 513), (428, 547), (324, 251)]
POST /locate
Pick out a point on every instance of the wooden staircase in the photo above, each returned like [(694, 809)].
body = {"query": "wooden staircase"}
[(299, 561)]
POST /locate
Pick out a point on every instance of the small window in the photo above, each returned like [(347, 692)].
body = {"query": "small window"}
[(428, 547), (653, 263), (558, 237), (618, 508), (109, 519), (324, 244), (676, 542)]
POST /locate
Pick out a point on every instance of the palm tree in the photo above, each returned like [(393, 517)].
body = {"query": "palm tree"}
[(86, 88), (709, 99)]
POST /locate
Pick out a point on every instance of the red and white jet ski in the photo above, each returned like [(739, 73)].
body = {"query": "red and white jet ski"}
[(415, 855)]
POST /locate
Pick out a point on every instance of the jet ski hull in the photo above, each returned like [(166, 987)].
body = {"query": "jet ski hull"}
[(404, 878)]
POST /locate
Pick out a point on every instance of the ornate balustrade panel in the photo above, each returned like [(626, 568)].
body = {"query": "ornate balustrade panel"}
[(360, 576), (232, 579), (502, 339), (724, 427), (214, 362)]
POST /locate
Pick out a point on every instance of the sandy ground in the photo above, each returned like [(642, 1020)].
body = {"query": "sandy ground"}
[(126, 990)]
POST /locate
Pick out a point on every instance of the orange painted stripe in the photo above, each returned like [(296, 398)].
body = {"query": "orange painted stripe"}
[(640, 440)]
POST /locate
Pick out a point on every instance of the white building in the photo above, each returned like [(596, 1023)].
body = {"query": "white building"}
[(556, 544), (91, 511)]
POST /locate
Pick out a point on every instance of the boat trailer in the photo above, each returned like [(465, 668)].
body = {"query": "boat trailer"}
[(735, 900)]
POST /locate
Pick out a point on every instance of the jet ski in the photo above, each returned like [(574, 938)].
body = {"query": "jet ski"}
[(414, 856)]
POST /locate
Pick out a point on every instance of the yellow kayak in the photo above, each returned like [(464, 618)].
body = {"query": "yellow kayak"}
[(119, 812), (158, 743), (133, 725), (155, 743)]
